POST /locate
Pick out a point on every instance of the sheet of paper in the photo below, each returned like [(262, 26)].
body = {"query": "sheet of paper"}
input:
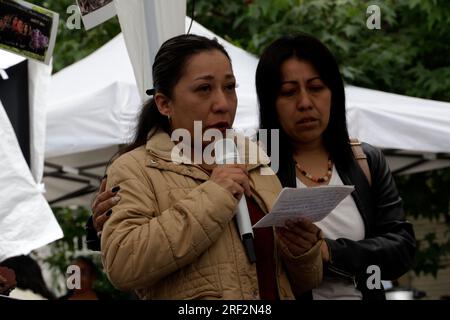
[(312, 203)]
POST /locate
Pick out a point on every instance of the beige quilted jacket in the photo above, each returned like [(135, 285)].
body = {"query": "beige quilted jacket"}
[(173, 236)]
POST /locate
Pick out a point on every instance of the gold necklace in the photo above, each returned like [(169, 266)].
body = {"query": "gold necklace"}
[(323, 179)]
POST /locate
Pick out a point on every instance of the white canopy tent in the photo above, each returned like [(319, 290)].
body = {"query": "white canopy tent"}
[(94, 103), (414, 133)]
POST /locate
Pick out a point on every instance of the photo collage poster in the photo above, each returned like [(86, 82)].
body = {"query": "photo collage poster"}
[(95, 12), (28, 30)]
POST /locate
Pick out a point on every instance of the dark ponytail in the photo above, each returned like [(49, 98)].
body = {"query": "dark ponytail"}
[(150, 119), (167, 70)]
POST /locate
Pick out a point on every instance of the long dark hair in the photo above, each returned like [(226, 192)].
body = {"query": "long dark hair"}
[(167, 70), (268, 83), (28, 275)]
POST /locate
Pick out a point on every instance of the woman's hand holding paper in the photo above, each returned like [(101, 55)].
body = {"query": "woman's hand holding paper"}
[(298, 235)]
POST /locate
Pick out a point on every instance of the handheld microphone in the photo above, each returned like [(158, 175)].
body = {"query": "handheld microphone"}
[(226, 153)]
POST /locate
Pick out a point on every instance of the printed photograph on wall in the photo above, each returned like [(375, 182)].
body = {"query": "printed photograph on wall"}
[(95, 12), (27, 29)]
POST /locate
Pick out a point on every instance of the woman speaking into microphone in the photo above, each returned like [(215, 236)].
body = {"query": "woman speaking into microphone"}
[(172, 234)]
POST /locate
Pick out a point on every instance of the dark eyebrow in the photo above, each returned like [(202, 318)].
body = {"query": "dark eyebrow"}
[(295, 82), (210, 77), (289, 82), (206, 77)]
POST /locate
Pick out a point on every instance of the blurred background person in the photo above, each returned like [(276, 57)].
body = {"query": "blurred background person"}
[(30, 282), (88, 274), (7, 280)]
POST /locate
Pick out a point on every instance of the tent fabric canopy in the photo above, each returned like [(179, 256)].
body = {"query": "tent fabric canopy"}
[(94, 104), (392, 121), (414, 133)]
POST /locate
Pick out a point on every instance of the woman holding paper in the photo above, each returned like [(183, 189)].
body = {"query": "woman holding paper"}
[(171, 234), (301, 92)]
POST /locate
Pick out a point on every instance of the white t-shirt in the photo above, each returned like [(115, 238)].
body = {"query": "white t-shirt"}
[(344, 221)]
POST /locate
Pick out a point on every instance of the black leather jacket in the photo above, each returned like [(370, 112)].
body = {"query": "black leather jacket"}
[(389, 239)]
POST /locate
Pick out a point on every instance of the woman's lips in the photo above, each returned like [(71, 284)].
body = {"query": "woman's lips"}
[(306, 120), (307, 123), (221, 126)]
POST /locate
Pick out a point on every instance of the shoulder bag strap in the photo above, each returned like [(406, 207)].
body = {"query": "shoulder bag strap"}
[(361, 157)]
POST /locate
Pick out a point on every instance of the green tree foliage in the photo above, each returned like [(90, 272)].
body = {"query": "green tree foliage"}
[(409, 55), (426, 195)]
